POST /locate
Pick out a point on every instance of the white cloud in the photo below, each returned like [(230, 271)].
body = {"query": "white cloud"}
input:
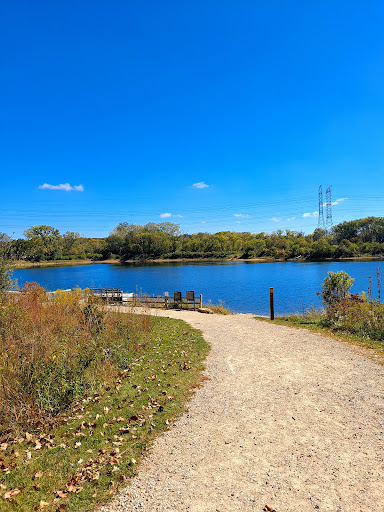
[(275, 219), (313, 214), (63, 186), (167, 215), (291, 218), (334, 203), (241, 215), (200, 184)]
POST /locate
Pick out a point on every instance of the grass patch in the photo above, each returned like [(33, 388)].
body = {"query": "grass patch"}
[(219, 308), (77, 455)]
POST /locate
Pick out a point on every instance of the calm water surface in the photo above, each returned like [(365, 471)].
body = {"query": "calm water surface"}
[(242, 286)]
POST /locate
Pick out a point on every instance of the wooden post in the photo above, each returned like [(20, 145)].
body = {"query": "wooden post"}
[(271, 306), (201, 302), (166, 295)]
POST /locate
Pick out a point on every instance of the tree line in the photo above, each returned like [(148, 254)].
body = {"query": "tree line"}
[(362, 237)]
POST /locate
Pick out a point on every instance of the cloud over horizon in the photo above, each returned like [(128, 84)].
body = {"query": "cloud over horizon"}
[(333, 203), (63, 186), (167, 215), (200, 184)]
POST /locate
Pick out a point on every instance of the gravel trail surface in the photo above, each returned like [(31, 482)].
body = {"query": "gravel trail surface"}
[(287, 419)]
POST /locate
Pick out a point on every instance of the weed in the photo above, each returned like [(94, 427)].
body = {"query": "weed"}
[(90, 390), (219, 308)]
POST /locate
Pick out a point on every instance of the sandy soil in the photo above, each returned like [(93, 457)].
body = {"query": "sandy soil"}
[(287, 418)]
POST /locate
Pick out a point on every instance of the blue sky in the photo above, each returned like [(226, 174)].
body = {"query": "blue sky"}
[(215, 115)]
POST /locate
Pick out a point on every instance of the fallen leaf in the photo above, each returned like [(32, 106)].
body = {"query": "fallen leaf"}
[(70, 487), (38, 445), (10, 494), (43, 504), (39, 474), (62, 494), (28, 456), (28, 436)]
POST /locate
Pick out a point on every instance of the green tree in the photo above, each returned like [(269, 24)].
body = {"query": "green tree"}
[(45, 242), (6, 262)]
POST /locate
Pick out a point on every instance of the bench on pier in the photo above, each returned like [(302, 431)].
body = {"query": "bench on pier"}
[(189, 299), (115, 295)]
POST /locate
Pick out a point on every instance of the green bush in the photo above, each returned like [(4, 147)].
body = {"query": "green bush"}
[(336, 287)]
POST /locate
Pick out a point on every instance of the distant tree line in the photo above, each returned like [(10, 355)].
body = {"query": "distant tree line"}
[(362, 237)]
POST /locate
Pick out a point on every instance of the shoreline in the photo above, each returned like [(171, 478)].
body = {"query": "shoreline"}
[(21, 264)]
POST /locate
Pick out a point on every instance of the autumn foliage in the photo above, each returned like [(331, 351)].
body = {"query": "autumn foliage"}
[(53, 350)]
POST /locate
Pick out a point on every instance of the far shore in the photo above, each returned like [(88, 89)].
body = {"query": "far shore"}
[(20, 264), (67, 263)]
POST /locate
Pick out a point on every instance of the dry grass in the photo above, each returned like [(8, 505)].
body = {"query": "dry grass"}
[(219, 308), (52, 351), (83, 393)]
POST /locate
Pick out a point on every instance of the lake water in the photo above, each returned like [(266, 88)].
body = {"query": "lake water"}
[(242, 286)]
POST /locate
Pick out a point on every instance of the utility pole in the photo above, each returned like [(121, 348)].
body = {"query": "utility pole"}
[(320, 222), (329, 223)]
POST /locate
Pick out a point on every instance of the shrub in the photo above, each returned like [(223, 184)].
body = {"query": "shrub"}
[(336, 287)]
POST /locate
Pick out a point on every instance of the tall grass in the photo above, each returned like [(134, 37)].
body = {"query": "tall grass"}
[(357, 315), (53, 351)]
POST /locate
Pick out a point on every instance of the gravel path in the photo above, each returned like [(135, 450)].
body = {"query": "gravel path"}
[(288, 419)]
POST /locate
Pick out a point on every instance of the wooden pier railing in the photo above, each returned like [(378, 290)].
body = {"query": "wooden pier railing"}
[(116, 295)]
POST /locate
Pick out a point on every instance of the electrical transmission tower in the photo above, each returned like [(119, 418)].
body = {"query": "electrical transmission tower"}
[(329, 222), (321, 223)]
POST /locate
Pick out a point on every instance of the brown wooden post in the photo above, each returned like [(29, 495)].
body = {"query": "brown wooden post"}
[(201, 302), (166, 299), (271, 306)]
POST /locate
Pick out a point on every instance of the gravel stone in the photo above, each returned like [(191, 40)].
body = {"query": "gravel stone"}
[(287, 418)]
